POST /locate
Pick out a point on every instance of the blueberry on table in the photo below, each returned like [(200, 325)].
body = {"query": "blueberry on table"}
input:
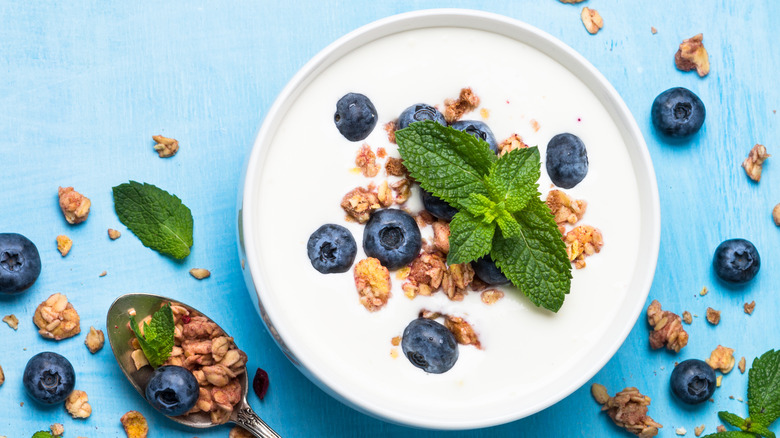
[(172, 390), (429, 346), (332, 249), (693, 381), (417, 113), (678, 112), (566, 160), (736, 261), (355, 116), (487, 271), (479, 130), (49, 378), (392, 237), (20, 263), (437, 206)]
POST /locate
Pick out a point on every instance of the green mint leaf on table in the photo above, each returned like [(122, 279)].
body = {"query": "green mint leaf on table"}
[(446, 162), (500, 212), (42, 434), (470, 238), (731, 434), (536, 262), (158, 218), (764, 388), (732, 419), (513, 180), (157, 338)]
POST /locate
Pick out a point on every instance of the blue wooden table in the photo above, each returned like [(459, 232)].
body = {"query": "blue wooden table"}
[(85, 84)]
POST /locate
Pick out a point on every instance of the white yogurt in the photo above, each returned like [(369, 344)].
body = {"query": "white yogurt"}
[(307, 172)]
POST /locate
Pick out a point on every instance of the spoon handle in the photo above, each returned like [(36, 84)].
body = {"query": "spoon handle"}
[(249, 420)]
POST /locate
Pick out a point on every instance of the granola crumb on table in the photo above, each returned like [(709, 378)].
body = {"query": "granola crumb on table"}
[(135, 424), (627, 409), (680, 431), (713, 316), (64, 244), (754, 162), (703, 291), (77, 404), (113, 234), (95, 340), (776, 214), (12, 321), (200, 273), (466, 102), (372, 281), (165, 147), (720, 428), (56, 318), (698, 430), (692, 55), (667, 328), (592, 20), (749, 307), (2, 376), (57, 429), (741, 365), (74, 205), (687, 317), (721, 359)]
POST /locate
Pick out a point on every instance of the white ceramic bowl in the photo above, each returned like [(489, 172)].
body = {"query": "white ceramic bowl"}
[(298, 171)]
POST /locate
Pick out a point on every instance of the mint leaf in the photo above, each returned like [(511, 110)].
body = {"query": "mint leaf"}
[(158, 218), (761, 430), (43, 434), (508, 225), (732, 419), (470, 238), (479, 205), (764, 388), (535, 262), (446, 162), (514, 178), (731, 434), (157, 339)]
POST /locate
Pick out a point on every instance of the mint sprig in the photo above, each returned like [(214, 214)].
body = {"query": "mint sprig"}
[(43, 434), (499, 209), (763, 400), (157, 338), (158, 218)]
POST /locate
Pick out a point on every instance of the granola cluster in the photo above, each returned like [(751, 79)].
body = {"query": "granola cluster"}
[(372, 281), (135, 425), (12, 321), (510, 144), (429, 273), (77, 404), (64, 244), (667, 328), (165, 147), (95, 340), (692, 55), (56, 318), (360, 202), (754, 162), (721, 359), (466, 102), (627, 409), (581, 242), (564, 209), (460, 328), (211, 355), (74, 205), (366, 161), (592, 20)]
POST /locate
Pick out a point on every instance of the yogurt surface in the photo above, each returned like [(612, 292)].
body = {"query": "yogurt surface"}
[(308, 168)]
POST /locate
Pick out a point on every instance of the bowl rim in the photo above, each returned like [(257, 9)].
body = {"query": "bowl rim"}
[(500, 24)]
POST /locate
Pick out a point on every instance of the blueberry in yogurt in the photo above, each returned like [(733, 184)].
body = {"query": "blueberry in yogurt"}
[(331, 249), (438, 207), (49, 378), (20, 263), (487, 271), (566, 160), (693, 381), (478, 130), (392, 237), (736, 261), (417, 113), (355, 116), (678, 112), (172, 390), (429, 346)]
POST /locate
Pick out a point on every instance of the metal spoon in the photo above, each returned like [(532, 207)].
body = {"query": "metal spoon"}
[(120, 337)]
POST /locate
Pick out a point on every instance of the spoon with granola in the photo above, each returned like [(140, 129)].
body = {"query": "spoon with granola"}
[(170, 334)]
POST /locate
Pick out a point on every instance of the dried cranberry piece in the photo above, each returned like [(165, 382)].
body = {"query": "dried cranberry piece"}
[(185, 319), (260, 383)]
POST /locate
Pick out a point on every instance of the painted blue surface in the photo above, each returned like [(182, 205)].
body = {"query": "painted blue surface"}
[(85, 84)]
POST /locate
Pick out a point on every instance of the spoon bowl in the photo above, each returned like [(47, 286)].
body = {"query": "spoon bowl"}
[(120, 338)]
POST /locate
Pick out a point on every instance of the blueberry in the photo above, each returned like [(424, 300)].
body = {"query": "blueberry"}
[(693, 381), (438, 207), (429, 345), (478, 130), (20, 263), (677, 112), (419, 112), (49, 378), (331, 249), (487, 271), (567, 160), (172, 390), (355, 116), (392, 237), (736, 261)]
